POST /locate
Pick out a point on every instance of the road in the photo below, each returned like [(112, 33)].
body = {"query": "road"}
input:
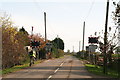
[(65, 68)]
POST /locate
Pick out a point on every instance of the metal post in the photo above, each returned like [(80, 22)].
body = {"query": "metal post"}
[(89, 52)]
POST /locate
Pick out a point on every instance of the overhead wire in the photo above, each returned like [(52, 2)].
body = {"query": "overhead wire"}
[(40, 11), (90, 9), (51, 28)]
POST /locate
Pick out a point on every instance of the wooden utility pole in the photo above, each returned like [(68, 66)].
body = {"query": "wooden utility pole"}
[(83, 37), (45, 26), (79, 45), (32, 31), (105, 40), (73, 49), (58, 41)]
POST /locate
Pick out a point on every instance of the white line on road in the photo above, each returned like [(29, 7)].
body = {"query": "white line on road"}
[(61, 64), (49, 77), (56, 70)]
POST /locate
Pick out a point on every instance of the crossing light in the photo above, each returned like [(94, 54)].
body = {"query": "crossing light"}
[(93, 40), (35, 43)]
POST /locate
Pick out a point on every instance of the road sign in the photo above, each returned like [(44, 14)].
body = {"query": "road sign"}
[(92, 48), (48, 47)]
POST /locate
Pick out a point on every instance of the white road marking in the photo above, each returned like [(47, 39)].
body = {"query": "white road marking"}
[(56, 70), (49, 77), (61, 64)]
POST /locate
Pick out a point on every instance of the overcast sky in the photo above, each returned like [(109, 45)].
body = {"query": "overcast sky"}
[(64, 18)]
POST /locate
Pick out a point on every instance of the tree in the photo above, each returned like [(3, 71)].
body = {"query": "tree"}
[(116, 18), (59, 42), (57, 47), (13, 52), (68, 51), (24, 36), (23, 30), (111, 43)]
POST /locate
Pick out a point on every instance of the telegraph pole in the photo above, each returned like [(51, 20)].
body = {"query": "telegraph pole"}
[(105, 40), (45, 26), (73, 49), (79, 45), (31, 32), (83, 37), (58, 41)]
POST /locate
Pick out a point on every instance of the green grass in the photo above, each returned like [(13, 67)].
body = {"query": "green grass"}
[(17, 67), (99, 71), (116, 55)]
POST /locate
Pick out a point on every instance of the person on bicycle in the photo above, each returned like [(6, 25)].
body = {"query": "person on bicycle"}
[(32, 55)]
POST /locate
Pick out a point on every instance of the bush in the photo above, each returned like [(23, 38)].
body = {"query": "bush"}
[(42, 54), (13, 52), (56, 53)]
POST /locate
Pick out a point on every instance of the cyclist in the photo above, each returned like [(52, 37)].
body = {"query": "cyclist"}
[(32, 55)]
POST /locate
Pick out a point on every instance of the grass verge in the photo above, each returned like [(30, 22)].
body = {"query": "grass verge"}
[(17, 67), (99, 71)]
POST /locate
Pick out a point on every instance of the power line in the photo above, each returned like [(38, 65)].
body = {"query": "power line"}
[(51, 29), (90, 9), (41, 10), (37, 5)]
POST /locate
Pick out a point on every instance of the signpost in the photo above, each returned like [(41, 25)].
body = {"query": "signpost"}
[(48, 49)]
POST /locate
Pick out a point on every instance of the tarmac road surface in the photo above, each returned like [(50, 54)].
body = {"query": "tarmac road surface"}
[(67, 68)]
